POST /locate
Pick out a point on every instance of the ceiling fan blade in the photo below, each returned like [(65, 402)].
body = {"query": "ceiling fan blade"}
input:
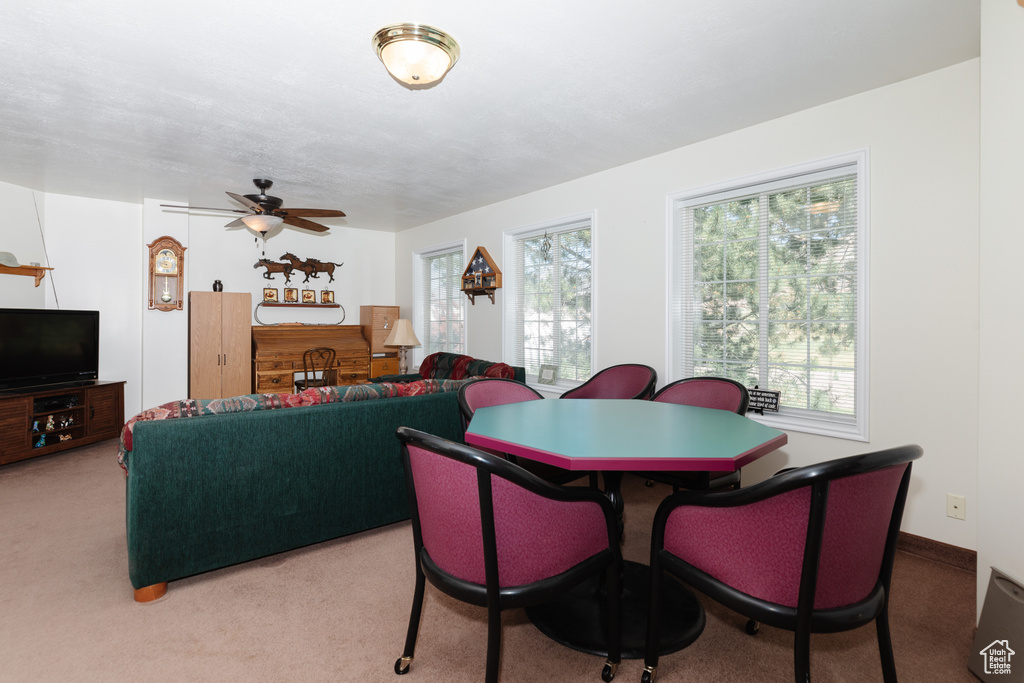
[(202, 208), (318, 213), (245, 201), (237, 223), (303, 223)]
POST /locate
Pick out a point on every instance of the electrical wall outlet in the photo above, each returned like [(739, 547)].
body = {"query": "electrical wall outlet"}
[(956, 506)]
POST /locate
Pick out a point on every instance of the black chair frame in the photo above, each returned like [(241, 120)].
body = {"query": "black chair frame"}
[(803, 619), (643, 395), (492, 596)]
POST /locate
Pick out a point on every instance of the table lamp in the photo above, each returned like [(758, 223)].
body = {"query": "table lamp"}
[(403, 337)]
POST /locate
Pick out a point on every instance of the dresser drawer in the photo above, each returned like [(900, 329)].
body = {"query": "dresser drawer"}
[(383, 366), (275, 365), (350, 376), (275, 382)]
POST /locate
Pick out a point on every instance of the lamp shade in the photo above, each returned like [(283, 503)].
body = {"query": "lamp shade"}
[(402, 334), (261, 222), (416, 54)]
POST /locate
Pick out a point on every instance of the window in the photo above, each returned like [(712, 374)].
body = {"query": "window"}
[(548, 299), (768, 288), (439, 313)]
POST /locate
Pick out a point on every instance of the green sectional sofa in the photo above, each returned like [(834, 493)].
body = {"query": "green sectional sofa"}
[(214, 490)]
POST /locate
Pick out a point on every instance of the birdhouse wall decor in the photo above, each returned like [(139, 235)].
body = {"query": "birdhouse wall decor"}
[(481, 276), (166, 270)]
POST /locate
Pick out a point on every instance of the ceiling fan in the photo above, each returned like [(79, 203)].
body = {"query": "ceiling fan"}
[(264, 212)]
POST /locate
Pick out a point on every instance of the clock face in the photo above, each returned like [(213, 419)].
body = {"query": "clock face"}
[(166, 263)]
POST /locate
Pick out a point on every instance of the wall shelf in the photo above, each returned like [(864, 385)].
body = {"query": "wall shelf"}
[(38, 272)]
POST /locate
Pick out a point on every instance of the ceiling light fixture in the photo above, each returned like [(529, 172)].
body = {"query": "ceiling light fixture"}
[(262, 222), (416, 54)]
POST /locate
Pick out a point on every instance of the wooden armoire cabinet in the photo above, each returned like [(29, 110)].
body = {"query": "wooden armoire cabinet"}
[(219, 344), (376, 323)]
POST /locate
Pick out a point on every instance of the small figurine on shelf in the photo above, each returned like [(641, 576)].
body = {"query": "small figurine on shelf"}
[(41, 441), (35, 425), (49, 423), (65, 437)]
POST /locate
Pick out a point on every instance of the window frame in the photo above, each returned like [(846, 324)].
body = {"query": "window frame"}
[(510, 344), (676, 253), (419, 258)]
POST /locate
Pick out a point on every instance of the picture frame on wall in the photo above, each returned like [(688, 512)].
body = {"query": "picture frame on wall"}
[(308, 296), (270, 295), (327, 297), (291, 295)]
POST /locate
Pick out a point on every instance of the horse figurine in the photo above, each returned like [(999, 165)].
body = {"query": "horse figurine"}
[(312, 267), (275, 267)]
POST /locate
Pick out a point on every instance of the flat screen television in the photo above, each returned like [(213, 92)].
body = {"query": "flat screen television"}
[(41, 347)]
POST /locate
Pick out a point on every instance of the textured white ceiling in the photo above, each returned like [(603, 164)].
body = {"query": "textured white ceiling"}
[(124, 100)]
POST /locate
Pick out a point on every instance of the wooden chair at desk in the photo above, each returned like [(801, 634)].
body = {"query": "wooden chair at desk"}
[(317, 369)]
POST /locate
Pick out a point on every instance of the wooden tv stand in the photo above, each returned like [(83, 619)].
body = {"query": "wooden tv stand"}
[(82, 413)]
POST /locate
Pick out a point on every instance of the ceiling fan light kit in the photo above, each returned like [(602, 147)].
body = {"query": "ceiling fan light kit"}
[(416, 54), (262, 222)]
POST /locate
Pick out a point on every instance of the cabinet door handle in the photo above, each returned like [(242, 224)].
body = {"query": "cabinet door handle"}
[(275, 380), (218, 359)]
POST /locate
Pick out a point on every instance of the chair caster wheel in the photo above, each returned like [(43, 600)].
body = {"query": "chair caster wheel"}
[(649, 483), (402, 665), (753, 627), (608, 673), (648, 675)]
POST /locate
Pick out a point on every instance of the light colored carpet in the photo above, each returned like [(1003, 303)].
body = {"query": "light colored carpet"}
[(338, 611)]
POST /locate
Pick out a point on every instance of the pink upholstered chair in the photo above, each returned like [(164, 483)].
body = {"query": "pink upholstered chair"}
[(706, 392), (489, 533), (618, 381), (487, 392), (809, 550)]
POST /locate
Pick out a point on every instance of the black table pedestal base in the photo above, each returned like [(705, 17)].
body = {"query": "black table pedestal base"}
[(578, 619)]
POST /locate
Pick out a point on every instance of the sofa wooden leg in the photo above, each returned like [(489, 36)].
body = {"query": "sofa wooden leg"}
[(150, 593)]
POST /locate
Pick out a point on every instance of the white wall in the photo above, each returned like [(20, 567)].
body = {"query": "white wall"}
[(164, 333), (229, 254), (21, 234), (922, 135), (94, 249), (98, 249), (1000, 465)]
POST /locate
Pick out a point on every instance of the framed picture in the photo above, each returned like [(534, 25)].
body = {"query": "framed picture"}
[(548, 374), (327, 297), (291, 295), (308, 296), (270, 294)]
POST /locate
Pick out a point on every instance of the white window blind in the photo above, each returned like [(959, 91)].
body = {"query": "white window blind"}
[(548, 299), (768, 289), (440, 314)]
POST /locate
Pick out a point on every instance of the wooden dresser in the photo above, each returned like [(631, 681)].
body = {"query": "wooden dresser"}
[(277, 354)]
